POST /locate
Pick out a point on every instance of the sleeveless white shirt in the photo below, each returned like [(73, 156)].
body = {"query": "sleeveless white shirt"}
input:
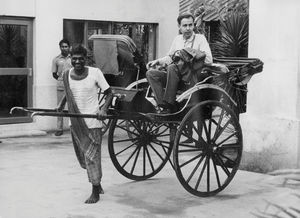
[(85, 93)]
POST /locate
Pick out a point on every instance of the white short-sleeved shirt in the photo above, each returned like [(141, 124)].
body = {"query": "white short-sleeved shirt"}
[(59, 65), (85, 93), (196, 41)]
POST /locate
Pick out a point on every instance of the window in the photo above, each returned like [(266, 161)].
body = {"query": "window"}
[(15, 68), (143, 34)]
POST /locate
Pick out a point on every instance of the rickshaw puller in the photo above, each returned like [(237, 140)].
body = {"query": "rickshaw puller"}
[(82, 84)]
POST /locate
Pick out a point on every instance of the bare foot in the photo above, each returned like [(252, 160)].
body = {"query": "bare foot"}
[(93, 199), (94, 196)]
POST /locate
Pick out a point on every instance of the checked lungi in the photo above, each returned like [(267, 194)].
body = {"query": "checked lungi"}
[(93, 167)]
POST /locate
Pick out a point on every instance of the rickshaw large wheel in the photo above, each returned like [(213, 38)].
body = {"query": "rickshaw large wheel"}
[(207, 163), (145, 152)]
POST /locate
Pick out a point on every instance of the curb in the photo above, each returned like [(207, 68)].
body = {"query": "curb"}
[(13, 134)]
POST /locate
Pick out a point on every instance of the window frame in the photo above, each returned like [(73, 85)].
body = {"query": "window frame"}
[(28, 70)]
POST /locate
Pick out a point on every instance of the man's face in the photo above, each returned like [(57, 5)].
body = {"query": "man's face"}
[(78, 62), (65, 49), (186, 27)]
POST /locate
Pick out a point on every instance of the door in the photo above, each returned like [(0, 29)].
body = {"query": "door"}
[(15, 68)]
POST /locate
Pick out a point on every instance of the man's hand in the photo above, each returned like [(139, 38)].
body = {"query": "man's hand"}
[(152, 64), (55, 76), (102, 114)]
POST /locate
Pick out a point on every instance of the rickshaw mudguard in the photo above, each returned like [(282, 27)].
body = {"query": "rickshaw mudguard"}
[(198, 88)]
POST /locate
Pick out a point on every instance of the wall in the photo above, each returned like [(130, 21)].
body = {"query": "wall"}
[(48, 31), (272, 119)]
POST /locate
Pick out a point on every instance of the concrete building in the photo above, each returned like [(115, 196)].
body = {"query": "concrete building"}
[(38, 25)]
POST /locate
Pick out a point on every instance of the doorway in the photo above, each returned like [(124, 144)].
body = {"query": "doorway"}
[(15, 68)]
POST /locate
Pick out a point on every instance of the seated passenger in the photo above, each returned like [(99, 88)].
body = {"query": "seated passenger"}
[(170, 74)]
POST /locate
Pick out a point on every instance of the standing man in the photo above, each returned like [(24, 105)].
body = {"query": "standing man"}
[(82, 84), (170, 78), (60, 64)]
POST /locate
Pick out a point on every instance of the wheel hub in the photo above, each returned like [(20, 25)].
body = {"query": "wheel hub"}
[(211, 149), (145, 139)]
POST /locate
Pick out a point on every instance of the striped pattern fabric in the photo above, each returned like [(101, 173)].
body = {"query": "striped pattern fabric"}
[(94, 167)]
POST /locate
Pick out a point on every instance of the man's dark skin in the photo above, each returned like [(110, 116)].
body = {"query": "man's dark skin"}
[(81, 72)]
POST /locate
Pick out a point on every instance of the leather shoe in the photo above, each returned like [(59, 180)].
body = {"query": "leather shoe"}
[(58, 133), (168, 108), (165, 111)]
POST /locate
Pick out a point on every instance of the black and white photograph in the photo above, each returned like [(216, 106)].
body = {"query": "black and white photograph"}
[(150, 109)]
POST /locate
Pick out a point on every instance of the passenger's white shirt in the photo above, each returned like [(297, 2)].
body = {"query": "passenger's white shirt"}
[(85, 93), (200, 43)]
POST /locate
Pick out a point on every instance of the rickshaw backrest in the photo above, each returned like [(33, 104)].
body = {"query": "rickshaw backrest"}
[(110, 50)]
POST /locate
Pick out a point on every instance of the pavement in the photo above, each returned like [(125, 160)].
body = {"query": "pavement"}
[(41, 178)]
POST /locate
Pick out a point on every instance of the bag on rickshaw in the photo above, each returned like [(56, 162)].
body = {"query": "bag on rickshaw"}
[(191, 65)]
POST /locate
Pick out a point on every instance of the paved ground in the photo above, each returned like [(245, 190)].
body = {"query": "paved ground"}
[(40, 178)]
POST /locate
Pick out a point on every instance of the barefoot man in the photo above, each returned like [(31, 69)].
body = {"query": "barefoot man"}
[(82, 84)]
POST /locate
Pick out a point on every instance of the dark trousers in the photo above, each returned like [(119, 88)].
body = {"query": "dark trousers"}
[(159, 79)]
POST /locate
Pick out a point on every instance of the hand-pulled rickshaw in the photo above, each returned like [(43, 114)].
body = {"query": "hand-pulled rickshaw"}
[(204, 136)]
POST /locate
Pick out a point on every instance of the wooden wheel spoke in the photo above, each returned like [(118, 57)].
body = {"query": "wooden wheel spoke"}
[(227, 158), (227, 138), (189, 150), (197, 130), (136, 126), (156, 141), (127, 140), (127, 130), (161, 145), (128, 159), (220, 131), (230, 146), (219, 124), (189, 137), (157, 127), (121, 123), (149, 158), (209, 130), (158, 154), (191, 160), (195, 169), (216, 172), (125, 149), (201, 174), (222, 164), (206, 131), (208, 174), (186, 146), (135, 159)]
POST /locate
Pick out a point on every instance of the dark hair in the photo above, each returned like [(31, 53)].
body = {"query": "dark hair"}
[(185, 15), (64, 41), (79, 49)]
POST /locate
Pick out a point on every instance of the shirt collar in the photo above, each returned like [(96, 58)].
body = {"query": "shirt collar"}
[(190, 39), (61, 56)]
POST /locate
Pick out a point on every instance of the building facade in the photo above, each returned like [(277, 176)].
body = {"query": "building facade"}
[(31, 29), (272, 118)]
